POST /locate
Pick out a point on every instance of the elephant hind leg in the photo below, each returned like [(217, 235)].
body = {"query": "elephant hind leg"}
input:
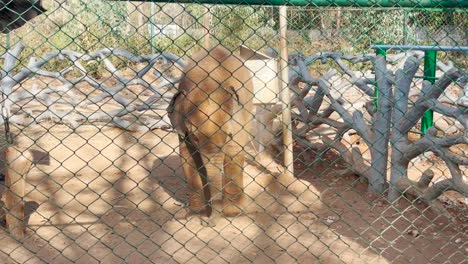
[(233, 181)]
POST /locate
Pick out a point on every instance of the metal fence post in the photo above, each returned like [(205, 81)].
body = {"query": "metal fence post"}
[(383, 52), (285, 95), (152, 22), (430, 59), (405, 26), (206, 25)]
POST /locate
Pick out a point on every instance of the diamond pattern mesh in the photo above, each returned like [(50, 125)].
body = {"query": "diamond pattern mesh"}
[(93, 166)]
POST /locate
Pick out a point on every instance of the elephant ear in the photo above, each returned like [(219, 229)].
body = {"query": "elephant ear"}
[(171, 106), (174, 116), (233, 93)]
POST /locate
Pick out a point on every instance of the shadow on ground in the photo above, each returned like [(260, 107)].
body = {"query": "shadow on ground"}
[(109, 196)]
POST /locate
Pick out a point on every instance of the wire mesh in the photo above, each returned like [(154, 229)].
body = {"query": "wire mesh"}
[(123, 118)]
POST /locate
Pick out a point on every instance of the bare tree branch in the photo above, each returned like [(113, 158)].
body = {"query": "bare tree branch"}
[(445, 110), (64, 93), (428, 92), (430, 143)]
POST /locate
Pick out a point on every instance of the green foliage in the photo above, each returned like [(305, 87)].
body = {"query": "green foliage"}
[(180, 45), (366, 27), (241, 25), (196, 11), (89, 25), (432, 19)]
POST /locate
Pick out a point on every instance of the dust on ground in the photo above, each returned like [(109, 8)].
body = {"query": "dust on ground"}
[(109, 196), (103, 195)]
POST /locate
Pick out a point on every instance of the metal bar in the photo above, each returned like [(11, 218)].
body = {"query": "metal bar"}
[(206, 25), (422, 48), (430, 60), (436, 10), (405, 26), (152, 21), (331, 3), (285, 95)]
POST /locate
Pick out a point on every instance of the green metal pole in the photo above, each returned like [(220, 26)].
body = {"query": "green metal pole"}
[(382, 52), (430, 60), (332, 3)]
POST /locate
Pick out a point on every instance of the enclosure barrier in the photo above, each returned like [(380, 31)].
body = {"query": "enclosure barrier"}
[(128, 140), (335, 3), (430, 62)]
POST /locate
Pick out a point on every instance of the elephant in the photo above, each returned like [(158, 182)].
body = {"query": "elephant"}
[(212, 113), (14, 14)]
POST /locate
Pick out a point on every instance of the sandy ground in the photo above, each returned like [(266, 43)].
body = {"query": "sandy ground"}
[(103, 195), (108, 196)]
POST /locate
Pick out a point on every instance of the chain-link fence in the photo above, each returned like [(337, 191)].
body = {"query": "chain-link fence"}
[(127, 139)]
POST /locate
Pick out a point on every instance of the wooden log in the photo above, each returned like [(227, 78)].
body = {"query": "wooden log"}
[(18, 164), (421, 190)]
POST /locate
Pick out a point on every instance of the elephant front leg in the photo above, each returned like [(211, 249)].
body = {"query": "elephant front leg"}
[(213, 159), (233, 180), (196, 199), (202, 168)]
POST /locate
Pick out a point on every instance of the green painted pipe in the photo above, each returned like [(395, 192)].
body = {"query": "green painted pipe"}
[(420, 47), (430, 60), (382, 52), (353, 3)]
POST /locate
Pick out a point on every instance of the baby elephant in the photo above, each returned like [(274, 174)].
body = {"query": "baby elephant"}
[(212, 113)]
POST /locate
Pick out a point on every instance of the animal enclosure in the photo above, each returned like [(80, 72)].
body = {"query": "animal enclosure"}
[(91, 166)]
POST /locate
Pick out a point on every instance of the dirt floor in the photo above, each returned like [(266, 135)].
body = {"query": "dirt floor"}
[(102, 195), (99, 194)]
